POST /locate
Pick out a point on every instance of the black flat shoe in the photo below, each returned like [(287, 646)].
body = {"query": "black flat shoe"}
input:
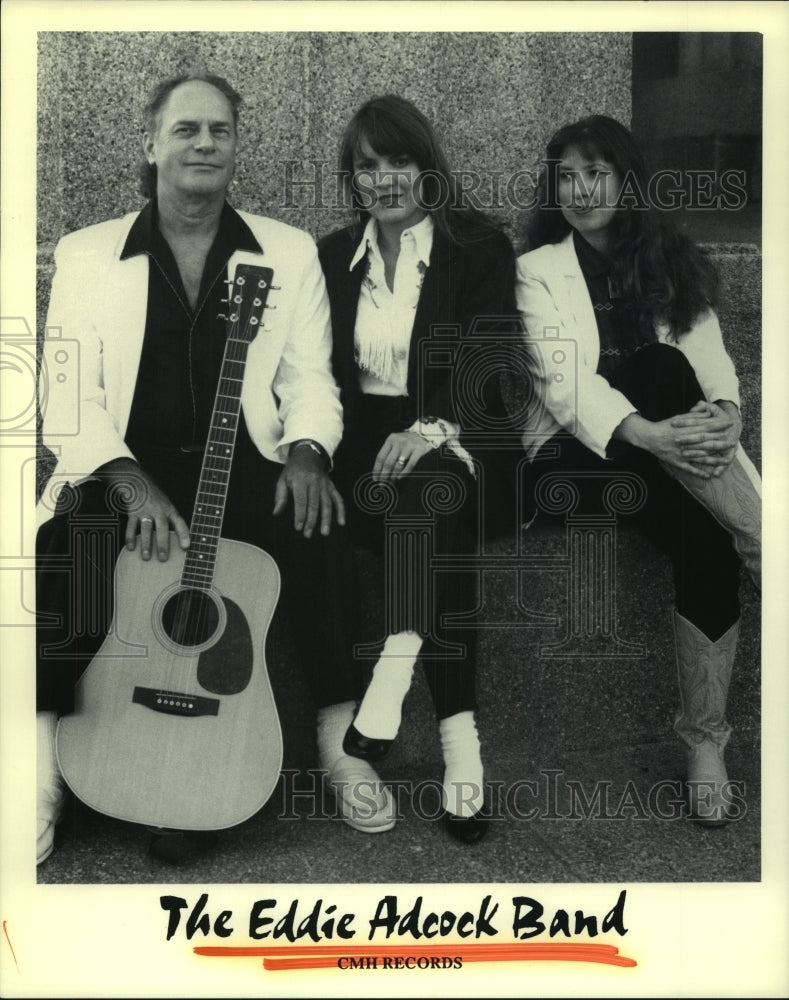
[(466, 829), (364, 747), (181, 847)]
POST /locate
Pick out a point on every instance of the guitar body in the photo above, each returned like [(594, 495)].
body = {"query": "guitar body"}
[(175, 723)]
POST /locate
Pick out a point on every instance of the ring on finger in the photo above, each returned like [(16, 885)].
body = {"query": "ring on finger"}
[(402, 460), (144, 520)]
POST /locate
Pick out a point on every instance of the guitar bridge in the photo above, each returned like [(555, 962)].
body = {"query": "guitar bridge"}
[(175, 702)]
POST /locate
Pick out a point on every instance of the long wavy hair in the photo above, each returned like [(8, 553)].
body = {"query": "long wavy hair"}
[(157, 100), (670, 279), (394, 126)]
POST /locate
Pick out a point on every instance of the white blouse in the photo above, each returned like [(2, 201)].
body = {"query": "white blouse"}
[(384, 318), (385, 323)]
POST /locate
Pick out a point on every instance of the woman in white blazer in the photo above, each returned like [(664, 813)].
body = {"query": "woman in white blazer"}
[(625, 349)]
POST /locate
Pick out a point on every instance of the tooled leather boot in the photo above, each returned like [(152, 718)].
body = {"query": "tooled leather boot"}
[(734, 499), (704, 671)]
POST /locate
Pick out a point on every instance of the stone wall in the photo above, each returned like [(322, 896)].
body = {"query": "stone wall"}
[(494, 98)]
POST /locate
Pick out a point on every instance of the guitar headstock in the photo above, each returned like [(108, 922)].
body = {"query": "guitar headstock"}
[(247, 300)]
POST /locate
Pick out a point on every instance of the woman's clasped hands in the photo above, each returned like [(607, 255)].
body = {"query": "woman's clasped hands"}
[(708, 435)]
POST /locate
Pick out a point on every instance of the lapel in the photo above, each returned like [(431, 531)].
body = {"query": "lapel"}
[(435, 304), (576, 304), (122, 321), (435, 301), (121, 325), (122, 317), (344, 291)]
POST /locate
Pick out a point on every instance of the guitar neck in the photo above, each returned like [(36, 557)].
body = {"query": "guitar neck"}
[(247, 300), (209, 509)]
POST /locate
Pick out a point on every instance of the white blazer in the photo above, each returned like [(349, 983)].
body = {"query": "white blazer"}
[(96, 320), (563, 349)]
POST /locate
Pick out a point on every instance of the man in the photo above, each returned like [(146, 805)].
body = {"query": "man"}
[(143, 295)]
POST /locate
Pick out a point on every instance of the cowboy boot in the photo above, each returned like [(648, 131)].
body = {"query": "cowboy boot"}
[(734, 499), (704, 671)]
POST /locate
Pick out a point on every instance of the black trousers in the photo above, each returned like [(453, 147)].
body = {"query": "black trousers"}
[(407, 522), (661, 383), (77, 550)]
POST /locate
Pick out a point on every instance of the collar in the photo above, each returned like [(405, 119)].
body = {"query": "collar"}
[(421, 234), (233, 234), (593, 263)]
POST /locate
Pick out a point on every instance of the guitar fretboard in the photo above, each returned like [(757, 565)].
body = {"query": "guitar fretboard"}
[(209, 510)]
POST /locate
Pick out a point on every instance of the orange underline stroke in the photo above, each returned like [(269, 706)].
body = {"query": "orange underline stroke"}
[(8, 939), (283, 957)]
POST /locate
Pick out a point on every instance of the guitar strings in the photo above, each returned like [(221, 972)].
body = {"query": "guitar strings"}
[(194, 604)]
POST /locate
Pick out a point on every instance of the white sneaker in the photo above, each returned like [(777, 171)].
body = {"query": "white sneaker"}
[(365, 802), (50, 802), (50, 786)]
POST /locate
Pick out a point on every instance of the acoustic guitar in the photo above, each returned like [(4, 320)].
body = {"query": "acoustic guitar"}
[(187, 735)]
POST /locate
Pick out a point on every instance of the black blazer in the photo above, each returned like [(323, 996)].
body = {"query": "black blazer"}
[(462, 283)]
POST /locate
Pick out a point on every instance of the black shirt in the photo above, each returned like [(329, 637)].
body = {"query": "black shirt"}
[(622, 332), (181, 355)]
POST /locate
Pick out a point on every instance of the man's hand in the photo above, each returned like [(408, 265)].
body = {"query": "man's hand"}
[(399, 454), (708, 435), (315, 497), (147, 507)]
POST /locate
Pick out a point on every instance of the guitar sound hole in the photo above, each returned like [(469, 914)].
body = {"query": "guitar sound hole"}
[(190, 617)]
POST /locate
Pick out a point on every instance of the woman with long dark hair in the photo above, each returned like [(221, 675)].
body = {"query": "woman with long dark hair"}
[(414, 259), (655, 393)]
